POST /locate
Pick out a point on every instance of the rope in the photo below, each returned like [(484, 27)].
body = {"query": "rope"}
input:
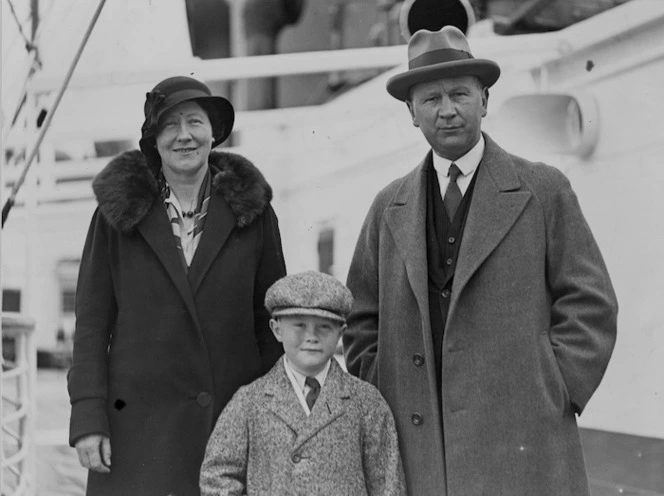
[(49, 116), (29, 46)]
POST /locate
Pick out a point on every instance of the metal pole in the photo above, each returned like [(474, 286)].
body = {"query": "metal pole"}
[(34, 12), (49, 117)]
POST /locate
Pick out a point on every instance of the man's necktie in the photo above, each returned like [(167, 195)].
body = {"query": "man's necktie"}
[(313, 393), (453, 194)]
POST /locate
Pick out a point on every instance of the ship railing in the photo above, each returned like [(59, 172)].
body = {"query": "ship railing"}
[(18, 408)]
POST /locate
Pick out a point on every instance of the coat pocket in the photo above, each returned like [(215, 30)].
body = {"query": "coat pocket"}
[(552, 377)]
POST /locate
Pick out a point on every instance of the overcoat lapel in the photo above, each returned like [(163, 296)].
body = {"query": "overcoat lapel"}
[(282, 400), (156, 230), (284, 404), (328, 408), (406, 220), (218, 226), (496, 205)]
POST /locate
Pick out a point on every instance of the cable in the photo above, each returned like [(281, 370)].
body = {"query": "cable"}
[(28, 44), (45, 125)]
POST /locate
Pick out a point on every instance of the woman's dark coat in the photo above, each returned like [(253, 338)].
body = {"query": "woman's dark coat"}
[(158, 352)]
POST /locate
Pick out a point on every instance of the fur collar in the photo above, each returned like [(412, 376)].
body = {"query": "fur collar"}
[(126, 189)]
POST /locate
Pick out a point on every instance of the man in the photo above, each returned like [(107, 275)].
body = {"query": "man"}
[(483, 309)]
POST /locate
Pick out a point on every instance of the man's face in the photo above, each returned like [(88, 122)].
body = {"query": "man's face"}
[(449, 113)]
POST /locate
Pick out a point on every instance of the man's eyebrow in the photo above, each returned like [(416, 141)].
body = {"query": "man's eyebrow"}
[(459, 86)]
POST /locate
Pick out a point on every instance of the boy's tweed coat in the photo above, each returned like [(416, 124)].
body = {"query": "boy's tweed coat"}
[(158, 352), (264, 443), (530, 329)]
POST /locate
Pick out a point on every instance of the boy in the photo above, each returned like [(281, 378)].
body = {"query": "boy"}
[(306, 427)]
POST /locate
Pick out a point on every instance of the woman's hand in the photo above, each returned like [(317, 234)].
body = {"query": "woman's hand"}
[(94, 453)]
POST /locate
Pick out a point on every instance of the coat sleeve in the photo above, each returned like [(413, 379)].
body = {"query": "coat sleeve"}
[(96, 312), (224, 469), (381, 460), (361, 338), (584, 306), (271, 268)]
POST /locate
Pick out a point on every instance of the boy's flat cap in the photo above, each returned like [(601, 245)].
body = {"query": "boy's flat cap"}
[(309, 293)]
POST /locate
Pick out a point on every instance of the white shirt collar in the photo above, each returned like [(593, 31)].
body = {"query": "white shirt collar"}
[(466, 164), (299, 378)]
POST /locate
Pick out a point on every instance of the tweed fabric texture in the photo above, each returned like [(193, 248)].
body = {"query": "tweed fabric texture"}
[(309, 293), (528, 336), (264, 443)]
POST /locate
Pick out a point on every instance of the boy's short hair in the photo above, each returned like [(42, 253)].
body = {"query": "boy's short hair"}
[(309, 293)]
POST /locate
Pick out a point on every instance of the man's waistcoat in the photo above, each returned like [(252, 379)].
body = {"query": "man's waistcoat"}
[(443, 241)]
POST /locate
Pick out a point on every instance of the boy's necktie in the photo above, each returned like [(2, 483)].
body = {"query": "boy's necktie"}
[(453, 194), (314, 391)]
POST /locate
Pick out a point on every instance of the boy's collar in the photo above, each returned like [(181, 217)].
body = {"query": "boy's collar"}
[(299, 378)]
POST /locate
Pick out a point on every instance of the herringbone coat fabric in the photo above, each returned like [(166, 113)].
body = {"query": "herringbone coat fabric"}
[(529, 334), (158, 352), (265, 444)]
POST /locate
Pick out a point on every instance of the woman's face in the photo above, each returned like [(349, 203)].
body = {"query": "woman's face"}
[(184, 139)]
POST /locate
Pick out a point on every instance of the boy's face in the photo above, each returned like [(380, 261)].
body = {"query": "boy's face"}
[(309, 341)]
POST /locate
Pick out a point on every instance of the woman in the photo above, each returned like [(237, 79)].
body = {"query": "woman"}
[(169, 305)]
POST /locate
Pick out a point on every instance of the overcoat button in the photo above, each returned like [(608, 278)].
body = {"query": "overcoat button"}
[(446, 293), (296, 458), (451, 240), (418, 360), (204, 399), (417, 419)]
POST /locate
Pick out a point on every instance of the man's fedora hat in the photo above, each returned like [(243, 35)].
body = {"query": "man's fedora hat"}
[(440, 54)]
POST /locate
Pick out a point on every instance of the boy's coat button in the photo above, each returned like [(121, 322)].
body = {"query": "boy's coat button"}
[(204, 399), (417, 419), (418, 359)]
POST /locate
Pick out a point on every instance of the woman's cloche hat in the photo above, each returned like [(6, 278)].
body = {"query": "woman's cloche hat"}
[(440, 54), (309, 293), (174, 90)]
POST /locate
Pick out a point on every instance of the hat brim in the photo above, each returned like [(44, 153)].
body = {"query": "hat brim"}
[(486, 70), (316, 312), (223, 107), (227, 114)]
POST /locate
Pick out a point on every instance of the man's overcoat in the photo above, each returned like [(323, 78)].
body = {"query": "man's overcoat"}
[(159, 351), (530, 329), (265, 444)]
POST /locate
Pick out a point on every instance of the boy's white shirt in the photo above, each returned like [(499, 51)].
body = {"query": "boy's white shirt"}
[(297, 380)]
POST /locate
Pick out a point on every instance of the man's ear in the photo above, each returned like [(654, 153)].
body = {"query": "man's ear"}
[(412, 113), (274, 326), (485, 101)]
